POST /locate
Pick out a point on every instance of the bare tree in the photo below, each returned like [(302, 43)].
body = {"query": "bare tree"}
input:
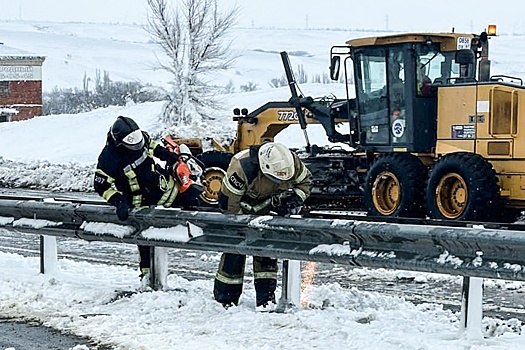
[(193, 36)]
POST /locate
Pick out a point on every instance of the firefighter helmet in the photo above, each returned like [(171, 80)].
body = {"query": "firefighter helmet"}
[(125, 132), (276, 161)]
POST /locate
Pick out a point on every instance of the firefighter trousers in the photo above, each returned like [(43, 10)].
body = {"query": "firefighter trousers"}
[(229, 278)]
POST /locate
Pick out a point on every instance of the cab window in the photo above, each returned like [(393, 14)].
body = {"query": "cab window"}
[(434, 67)]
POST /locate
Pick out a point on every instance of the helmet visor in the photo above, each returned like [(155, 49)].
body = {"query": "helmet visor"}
[(134, 141)]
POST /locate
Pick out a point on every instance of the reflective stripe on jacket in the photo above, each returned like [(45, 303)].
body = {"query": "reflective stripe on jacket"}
[(133, 176)]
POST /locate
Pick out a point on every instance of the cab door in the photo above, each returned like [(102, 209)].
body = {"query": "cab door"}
[(371, 92)]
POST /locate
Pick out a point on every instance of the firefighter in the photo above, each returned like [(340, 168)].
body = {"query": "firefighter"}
[(263, 179), (127, 176)]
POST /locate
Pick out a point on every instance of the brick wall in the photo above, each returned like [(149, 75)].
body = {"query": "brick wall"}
[(27, 113), (21, 82), (26, 97)]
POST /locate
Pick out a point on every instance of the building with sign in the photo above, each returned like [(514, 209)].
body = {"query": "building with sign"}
[(20, 84)]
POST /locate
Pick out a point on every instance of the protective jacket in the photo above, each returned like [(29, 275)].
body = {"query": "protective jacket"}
[(245, 189), (133, 176), (124, 175)]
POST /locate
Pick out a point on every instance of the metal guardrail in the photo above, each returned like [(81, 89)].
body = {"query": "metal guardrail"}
[(471, 252)]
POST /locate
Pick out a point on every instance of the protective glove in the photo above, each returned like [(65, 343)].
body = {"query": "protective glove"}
[(171, 158), (281, 210), (287, 205), (123, 209), (294, 203)]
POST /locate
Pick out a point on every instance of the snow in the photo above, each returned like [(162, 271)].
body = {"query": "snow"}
[(335, 249), (175, 234), (6, 220), (34, 223), (108, 303), (119, 231), (89, 300), (446, 258)]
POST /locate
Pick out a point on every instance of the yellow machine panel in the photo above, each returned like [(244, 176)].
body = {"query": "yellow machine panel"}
[(487, 113), (452, 146), (495, 148), (485, 119), (456, 127), (503, 122)]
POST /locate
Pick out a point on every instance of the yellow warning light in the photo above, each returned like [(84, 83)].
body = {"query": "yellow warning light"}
[(491, 30)]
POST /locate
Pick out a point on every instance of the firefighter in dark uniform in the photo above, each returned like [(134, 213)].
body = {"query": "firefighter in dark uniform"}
[(127, 176), (260, 180)]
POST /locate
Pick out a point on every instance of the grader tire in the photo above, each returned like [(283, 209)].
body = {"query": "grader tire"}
[(216, 163), (395, 186), (463, 186)]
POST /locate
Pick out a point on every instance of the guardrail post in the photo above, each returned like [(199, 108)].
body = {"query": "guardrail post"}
[(158, 278), (291, 286), (472, 306), (48, 254)]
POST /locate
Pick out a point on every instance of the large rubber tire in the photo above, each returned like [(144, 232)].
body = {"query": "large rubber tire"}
[(463, 186), (395, 186), (215, 158), (509, 215), (215, 166)]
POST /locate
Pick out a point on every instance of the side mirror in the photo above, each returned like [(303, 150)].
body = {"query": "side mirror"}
[(335, 65)]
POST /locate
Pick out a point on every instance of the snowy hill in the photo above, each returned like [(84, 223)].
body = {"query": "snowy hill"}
[(125, 51)]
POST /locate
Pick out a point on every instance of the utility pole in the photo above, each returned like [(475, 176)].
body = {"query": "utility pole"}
[(306, 22)]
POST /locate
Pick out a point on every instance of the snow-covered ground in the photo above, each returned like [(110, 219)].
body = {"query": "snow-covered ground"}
[(60, 152), (84, 298)]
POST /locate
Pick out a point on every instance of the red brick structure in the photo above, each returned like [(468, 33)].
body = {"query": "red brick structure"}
[(20, 84)]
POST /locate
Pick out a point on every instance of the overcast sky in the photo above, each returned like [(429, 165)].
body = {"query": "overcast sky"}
[(403, 15)]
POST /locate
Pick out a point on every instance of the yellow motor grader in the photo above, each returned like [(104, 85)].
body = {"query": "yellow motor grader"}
[(432, 132)]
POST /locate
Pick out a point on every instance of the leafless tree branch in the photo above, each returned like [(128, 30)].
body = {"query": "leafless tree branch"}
[(193, 36)]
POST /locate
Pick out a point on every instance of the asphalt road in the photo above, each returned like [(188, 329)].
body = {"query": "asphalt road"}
[(23, 335)]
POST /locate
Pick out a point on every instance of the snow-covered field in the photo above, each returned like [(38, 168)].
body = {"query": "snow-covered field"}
[(60, 152)]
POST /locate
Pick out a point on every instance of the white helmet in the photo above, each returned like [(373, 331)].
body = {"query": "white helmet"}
[(276, 160)]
